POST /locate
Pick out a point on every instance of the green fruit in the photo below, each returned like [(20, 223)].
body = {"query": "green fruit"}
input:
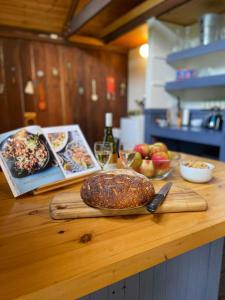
[(137, 161)]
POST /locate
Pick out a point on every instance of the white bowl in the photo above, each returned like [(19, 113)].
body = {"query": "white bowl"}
[(196, 174), (196, 123)]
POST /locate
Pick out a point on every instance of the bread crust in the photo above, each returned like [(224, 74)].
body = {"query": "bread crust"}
[(117, 189)]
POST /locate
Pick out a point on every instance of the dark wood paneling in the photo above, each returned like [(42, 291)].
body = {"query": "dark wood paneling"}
[(68, 74), (26, 69), (94, 109), (53, 84), (65, 105), (4, 120), (38, 62), (13, 83)]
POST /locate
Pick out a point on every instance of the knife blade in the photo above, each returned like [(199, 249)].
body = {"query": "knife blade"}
[(159, 198)]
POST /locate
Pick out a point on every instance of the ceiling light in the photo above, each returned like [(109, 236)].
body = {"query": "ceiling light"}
[(143, 50)]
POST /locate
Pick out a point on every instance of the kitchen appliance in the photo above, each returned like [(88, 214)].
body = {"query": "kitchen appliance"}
[(69, 205), (214, 120), (210, 28)]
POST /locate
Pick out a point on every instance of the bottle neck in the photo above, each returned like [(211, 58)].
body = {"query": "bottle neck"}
[(108, 129)]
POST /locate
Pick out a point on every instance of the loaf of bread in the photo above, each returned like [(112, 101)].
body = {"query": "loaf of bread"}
[(117, 189)]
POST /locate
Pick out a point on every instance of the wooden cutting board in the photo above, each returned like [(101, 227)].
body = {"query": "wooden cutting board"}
[(69, 205)]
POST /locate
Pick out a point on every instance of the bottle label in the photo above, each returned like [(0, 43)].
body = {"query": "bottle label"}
[(108, 119)]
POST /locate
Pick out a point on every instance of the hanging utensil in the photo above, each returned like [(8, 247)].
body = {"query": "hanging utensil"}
[(122, 88), (42, 105), (94, 96)]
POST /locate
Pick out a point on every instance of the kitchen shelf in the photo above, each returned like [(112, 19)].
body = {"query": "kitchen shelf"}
[(195, 83), (196, 51), (188, 134), (178, 135)]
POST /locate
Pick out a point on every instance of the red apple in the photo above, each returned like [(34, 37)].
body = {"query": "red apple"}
[(137, 161), (147, 168), (161, 162), (143, 149)]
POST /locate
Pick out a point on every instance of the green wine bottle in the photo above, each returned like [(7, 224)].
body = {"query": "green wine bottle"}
[(108, 137)]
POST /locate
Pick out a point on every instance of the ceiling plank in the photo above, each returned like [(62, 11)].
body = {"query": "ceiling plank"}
[(138, 16), (86, 14), (69, 16)]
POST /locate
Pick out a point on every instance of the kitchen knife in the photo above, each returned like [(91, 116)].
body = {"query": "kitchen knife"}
[(159, 198)]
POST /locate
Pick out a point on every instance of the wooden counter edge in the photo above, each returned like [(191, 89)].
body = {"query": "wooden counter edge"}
[(74, 288)]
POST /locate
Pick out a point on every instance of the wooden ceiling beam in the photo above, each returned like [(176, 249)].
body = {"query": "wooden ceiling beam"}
[(69, 16), (76, 40), (87, 13), (137, 16)]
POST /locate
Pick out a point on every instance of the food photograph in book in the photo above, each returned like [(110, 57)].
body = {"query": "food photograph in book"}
[(27, 160), (74, 154)]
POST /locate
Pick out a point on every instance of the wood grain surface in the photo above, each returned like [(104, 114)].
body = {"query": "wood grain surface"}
[(20, 60), (69, 205), (45, 259)]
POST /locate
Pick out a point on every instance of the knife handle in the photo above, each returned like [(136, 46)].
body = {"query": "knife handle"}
[(152, 207)]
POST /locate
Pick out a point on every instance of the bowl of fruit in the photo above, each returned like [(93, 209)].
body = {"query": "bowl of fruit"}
[(154, 161)]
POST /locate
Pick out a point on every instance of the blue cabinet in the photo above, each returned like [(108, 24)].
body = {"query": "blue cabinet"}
[(192, 139)]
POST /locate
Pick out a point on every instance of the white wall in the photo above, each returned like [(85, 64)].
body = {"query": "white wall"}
[(162, 37), (136, 78)]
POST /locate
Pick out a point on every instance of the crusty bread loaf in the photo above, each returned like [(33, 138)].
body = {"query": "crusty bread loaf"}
[(117, 189)]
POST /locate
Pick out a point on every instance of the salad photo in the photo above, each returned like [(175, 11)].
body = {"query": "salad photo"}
[(72, 150), (25, 153)]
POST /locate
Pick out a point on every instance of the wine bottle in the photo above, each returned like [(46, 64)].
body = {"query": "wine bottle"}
[(108, 137)]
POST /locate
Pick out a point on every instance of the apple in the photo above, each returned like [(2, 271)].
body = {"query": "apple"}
[(147, 168), (170, 154), (137, 161), (143, 149), (162, 146), (161, 162), (154, 148)]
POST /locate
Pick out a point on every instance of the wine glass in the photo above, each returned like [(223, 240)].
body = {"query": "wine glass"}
[(103, 152), (127, 157)]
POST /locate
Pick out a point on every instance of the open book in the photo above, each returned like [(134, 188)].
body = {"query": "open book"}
[(33, 156)]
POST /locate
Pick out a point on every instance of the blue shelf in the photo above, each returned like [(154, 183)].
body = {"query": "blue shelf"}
[(195, 83), (199, 135), (197, 51)]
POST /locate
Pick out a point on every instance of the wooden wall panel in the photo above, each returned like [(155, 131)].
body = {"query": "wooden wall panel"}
[(81, 98), (94, 109), (13, 82), (114, 67), (38, 63), (66, 104), (4, 120), (68, 75), (53, 84), (26, 70)]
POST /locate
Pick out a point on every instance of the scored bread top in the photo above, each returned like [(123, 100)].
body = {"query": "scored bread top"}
[(117, 189)]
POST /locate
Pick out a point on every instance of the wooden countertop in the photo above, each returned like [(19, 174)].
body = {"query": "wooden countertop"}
[(45, 259)]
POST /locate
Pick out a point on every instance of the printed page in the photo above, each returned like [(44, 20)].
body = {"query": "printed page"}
[(73, 152), (27, 160)]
